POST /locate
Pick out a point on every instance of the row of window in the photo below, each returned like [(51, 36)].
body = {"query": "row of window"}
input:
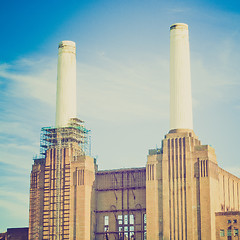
[(234, 221), (126, 225), (229, 232)]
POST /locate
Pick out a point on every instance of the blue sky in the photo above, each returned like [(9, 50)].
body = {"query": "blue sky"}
[(123, 81)]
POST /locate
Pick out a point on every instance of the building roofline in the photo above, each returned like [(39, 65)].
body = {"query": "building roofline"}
[(227, 213), (121, 170)]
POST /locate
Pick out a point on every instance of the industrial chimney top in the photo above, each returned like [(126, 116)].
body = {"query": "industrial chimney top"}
[(67, 43), (179, 26)]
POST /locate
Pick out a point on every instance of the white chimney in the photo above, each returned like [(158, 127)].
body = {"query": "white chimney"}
[(66, 83), (180, 79)]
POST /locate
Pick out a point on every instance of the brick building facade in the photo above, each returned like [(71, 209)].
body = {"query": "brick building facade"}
[(182, 193)]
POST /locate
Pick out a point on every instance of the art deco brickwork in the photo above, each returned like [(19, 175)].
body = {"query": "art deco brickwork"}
[(185, 186), (121, 204), (36, 199), (181, 194), (177, 196), (54, 197), (228, 225)]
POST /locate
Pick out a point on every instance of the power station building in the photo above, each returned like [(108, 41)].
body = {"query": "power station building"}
[(181, 194)]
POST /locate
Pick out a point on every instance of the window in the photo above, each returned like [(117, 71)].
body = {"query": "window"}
[(34, 180), (235, 221), (125, 226), (106, 223), (236, 232), (106, 220), (222, 233), (229, 221), (145, 226), (120, 219), (125, 219), (229, 232), (131, 219)]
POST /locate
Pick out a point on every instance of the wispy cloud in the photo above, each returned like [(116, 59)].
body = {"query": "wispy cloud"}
[(19, 197), (119, 90), (31, 79), (108, 90), (127, 85), (124, 96), (215, 77)]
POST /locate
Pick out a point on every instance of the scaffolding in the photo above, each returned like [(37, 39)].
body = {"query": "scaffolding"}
[(76, 136), (74, 133)]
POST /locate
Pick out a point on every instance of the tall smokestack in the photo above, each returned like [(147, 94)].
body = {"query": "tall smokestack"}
[(66, 83), (180, 79)]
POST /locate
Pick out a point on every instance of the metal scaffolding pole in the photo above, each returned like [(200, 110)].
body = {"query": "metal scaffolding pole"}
[(58, 185)]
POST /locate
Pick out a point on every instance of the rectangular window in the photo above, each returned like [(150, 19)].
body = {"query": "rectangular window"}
[(131, 228), (236, 232), (131, 235), (126, 226), (229, 221), (106, 220), (222, 233), (229, 232), (125, 219), (145, 226), (106, 223), (131, 219), (120, 219), (235, 221)]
